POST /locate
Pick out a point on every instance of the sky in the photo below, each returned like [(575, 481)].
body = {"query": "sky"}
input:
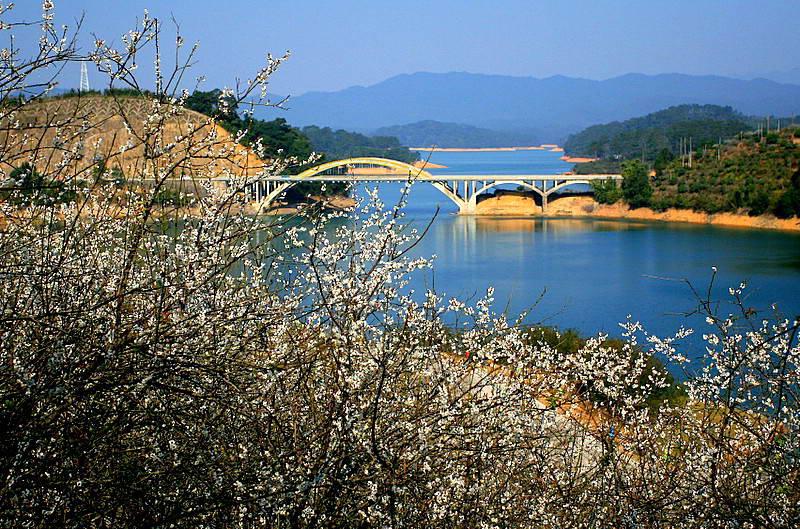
[(337, 44)]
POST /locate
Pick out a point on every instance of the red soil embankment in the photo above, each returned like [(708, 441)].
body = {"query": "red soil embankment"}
[(523, 204), (424, 164), (575, 159)]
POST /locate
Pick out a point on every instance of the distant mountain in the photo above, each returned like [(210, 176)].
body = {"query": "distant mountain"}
[(430, 133), (646, 136), (552, 107), (786, 76)]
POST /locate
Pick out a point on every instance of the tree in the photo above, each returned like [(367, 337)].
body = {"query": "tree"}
[(215, 104), (663, 160), (340, 144), (606, 191), (788, 204), (636, 184)]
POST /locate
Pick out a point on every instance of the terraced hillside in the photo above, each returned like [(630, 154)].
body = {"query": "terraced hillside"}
[(68, 137)]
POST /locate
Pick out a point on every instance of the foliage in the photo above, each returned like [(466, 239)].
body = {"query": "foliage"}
[(636, 187), (663, 159), (280, 139), (102, 173), (276, 139), (645, 137), (341, 144), (569, 342), (788, 205), (606, 191), (430, 133), (749, 176), (171, 197), (25, 186), (747, 173), (226, 372), (603, 166), (108, 92)]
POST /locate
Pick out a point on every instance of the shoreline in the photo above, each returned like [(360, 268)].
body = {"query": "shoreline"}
[(482, 149), (516, 204)]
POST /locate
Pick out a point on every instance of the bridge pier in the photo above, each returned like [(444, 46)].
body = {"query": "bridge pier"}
[(468, 208)]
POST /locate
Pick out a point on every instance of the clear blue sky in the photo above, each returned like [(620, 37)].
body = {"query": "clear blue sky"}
[(336, 44)]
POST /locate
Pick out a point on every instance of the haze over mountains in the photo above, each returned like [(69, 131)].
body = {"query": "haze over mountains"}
[(791, 76), (549, 108)]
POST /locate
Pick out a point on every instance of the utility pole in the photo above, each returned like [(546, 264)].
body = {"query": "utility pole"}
[(84, 78)]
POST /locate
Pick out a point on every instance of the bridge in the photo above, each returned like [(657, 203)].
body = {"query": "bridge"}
[(463, 190)]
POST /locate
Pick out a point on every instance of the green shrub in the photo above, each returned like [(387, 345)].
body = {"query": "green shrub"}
[(25, 187), (171, 197), (661, 204), (636, 184), (606, 191), (788, 205), (759, 204)]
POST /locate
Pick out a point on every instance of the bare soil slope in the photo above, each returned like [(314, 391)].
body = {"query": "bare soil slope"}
[(65, 136)]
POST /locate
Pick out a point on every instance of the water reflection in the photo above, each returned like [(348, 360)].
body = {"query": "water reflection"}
[(548, 225), (597, 271)]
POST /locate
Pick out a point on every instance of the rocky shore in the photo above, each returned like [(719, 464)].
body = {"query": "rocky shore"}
[(518, 203)]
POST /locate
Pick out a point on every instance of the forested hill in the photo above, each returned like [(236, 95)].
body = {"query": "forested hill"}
[(340, 144), (430, 133), (278, 136), (757, 174), (644, 137)]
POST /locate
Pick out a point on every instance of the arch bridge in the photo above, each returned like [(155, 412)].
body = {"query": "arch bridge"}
[(463, 190)]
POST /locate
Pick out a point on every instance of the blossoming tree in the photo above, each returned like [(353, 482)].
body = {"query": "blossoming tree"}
[(195, 366)]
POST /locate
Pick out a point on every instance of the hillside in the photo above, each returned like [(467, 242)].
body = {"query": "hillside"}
[(278, 136), (552, 107), (646, 136), (755, 175), (119, 121), (431, 133), (340, 144)]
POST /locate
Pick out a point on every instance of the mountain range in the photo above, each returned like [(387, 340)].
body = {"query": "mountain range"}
[(550, 108), (791, 76)]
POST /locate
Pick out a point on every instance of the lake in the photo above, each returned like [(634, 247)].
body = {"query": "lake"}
[(594, 272)]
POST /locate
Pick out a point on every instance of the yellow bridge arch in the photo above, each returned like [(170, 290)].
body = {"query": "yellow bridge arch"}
[(380, 162), (397, 167)]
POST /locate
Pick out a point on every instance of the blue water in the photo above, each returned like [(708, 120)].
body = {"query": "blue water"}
[(500, 162), (594, 272)]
